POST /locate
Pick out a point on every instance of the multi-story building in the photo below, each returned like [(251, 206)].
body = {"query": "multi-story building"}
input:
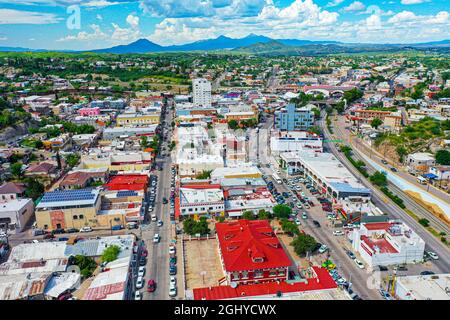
[(295, 141), (201, 92), (137, 119), (204, 199), (15, 214), (292, 118), (387, 243), (250, 252)]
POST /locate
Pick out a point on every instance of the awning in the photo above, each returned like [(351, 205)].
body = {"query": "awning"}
[(430, 176)]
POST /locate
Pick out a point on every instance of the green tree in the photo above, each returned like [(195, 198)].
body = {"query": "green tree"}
[(263, 215), (34, 189), (72, 159), (402, 152), (233, 124), (424, 222), (303, 243), (16, 169), (282, 211), (443, 157), (379, 179), (376, 123), (289, 227), (248, 215), (110, 254), (205, 174), (86, 264)]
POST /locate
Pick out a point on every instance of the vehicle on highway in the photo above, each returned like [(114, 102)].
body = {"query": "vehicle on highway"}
[(432, 255), (141, 271), (350, 254), (384, 161), (172, 270), (86, 229), (426, 273), (393, 169), (151, 285), (323, 248), (385, 294), (316, 223), (156, 238), (140, 282), (172, 291), (359, 264), (338, 233), (137, 295)]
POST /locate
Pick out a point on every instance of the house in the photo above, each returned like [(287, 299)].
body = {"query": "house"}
[(11, 191), (81, 179), (420, 162), (250, 252), (44, 171)]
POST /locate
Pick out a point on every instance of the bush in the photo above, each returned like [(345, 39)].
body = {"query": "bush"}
[(111, 253), (379, 179), (192, 227), (424, 222), (289, 227), (393, 197), (282, 211), (86, 264), (248, 215)]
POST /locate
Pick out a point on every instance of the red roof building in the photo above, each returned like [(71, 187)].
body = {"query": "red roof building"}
[(251, 253), (132, 182), (320, 281)]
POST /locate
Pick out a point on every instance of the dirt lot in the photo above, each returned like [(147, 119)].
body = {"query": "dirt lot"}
[(202, 256)]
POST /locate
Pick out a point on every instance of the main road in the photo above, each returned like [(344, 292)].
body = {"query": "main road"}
[(387, 206)]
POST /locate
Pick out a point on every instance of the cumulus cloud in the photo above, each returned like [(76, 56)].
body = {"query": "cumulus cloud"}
[(355, 6), (413, 1), (96, 34), (334, 3), (127, 34)]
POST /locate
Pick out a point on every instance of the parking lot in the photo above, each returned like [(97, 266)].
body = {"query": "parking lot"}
[(203, 267)]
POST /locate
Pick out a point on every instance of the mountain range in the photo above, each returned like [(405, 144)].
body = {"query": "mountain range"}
[(257, 44)]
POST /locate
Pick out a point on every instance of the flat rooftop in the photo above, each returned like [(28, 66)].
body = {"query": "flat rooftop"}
[(190, 196), (429, 287), (63, 198)]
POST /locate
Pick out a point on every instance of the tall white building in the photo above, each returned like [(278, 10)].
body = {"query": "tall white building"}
[(202, 92)]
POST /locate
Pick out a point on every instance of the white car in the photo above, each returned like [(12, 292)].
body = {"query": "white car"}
[(140, 282), (338, 233), (359, 264), (172, 291), (156, 238), (433, 255), (137, 295), (172, 250), (141, 271), (323, 248), (173, 281), (86, 229), (297, 221)]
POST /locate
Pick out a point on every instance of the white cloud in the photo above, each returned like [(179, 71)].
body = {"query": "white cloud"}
[(402, 17), (355, 6), (373, 22), (12, 16), (3, 38), (413, 1), (100, 3), (133, 21), (334, 3), (127, 34), (99, 17), (97, 34)]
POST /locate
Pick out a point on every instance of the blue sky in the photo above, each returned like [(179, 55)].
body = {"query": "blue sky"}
[(52, 24)]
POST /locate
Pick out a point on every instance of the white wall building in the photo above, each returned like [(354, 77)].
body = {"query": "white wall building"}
[(15, 214), (295, 141), (201, 92), (427, 287), (387, 243), (201, 201)]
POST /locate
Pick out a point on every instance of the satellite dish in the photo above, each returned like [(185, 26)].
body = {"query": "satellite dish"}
[(233, 285)]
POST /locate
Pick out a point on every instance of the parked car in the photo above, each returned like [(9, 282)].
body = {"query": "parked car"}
[(172, 250), (432, 255), (385, 294), (58, 231), (383, 268), (297, 221), (86, 229), (151, 285), (49, 235), (359, 264), (141, 271), (137, 295), (323, 248), (117, 227), (159, 223), (40, 232), (173, 260), (172, 291), (173, 281), (142, 261), (172, 270)]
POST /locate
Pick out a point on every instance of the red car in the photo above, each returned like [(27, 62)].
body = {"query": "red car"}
[(144, 253), (151, 285)]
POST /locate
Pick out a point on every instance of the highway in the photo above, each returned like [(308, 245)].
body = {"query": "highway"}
[(346, 266), (387, 206)]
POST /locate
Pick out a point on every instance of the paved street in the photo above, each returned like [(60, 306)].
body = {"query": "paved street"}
[(387, 206)]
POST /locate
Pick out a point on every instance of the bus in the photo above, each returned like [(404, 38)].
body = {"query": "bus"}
[(276, 178)]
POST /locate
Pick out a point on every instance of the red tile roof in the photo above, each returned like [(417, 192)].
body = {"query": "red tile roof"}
[(378, 225), (243, 241), (382, 244), (131, 182), (323, 281)]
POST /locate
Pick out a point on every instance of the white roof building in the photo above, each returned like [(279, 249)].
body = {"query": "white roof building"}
[(427, 287)]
